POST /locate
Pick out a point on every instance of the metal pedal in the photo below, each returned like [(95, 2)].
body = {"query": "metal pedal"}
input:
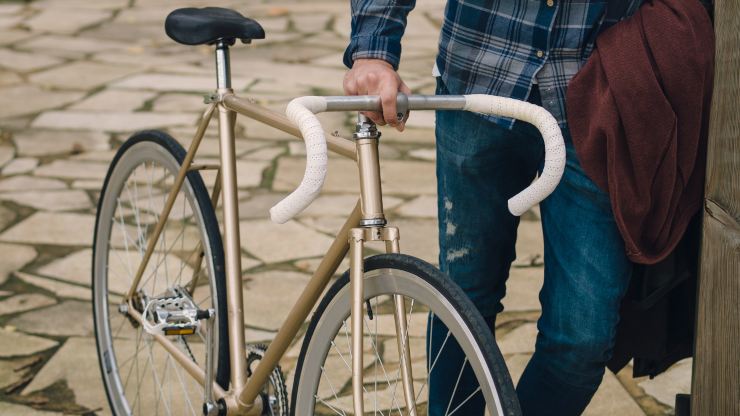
[(173, 314)]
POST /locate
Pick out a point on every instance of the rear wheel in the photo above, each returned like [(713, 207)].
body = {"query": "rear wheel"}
[(435, 307), (140, 376)]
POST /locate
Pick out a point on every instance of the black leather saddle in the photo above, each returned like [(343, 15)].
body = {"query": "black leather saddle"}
[(193, 26)]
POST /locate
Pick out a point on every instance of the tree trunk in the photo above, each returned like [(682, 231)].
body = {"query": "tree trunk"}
[(716, 377)]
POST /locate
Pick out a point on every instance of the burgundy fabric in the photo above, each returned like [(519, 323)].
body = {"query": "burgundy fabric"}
[(638, 112)]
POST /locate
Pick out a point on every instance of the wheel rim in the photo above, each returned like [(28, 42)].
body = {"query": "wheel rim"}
[(320, 392), (140, 377)]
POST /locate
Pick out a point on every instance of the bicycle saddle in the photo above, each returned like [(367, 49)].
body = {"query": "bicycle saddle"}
[(193, 26)]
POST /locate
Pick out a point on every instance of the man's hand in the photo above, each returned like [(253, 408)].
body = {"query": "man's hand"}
[(377, 77)]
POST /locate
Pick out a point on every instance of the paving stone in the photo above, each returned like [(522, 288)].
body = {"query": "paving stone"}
[(675, 380), (529, 245), (387, 400), (24, 302), (55, 142), (176, 82), (8, 78), (419, 238), (73, 170), (11, 36), (62, 290), (268, 297), (68, 76), (20, 165), (424, 206), (259, 205), (76, 362), (19, 344), (14, 257), (612, 399), (52, 228), (398, 176), (24, 62), (7, 216), (179, 102), (13, 371), (69, 318), (74, 267), (67, 200), (19, 410), (65, 20), (523, 288), (519, 340), (310, 23), (30, 183), (23, 100), (6, 154), (267, 154), (110, 121), (69, 46), (516, 363), (114, 100), (424, 153), (287, 242), (254, 336)]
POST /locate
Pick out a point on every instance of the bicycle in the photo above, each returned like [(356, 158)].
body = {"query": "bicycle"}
[(175, 321)]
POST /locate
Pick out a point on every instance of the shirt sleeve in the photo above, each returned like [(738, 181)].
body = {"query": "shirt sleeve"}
[(377, 28)]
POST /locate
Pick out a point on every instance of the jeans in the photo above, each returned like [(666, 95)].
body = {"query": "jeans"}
[(480, 165)]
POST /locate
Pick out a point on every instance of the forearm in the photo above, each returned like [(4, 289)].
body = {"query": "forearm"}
[(377, 29)]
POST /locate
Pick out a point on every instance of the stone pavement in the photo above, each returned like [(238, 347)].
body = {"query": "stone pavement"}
[(77, 77)]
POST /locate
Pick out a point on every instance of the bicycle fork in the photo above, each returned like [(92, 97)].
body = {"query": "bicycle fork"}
[(373, 228)]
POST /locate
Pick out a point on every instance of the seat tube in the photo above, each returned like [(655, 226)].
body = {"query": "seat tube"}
[(234, 296)]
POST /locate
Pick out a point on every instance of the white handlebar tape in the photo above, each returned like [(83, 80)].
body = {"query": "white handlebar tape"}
[(301, 111), (551, 134)]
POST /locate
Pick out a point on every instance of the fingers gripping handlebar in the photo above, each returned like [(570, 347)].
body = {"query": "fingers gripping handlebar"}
[(302, 111)]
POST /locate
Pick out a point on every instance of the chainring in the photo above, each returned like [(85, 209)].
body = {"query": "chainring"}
[(274, 393)]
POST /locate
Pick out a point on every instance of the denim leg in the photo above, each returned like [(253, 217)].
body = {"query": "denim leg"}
[(479, 166), (586, 276)]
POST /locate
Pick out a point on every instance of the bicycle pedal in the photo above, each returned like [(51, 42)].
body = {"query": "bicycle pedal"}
[(175, 313)]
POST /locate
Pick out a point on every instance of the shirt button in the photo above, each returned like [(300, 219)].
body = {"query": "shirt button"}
[(550, 3), (540, 54)]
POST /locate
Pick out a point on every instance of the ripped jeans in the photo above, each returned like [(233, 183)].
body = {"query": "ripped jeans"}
[(480, 165)]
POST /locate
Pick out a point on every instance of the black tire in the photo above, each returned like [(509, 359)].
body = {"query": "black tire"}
[(210, 224), (453, 294)]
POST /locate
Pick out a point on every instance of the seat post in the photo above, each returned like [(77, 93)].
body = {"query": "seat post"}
[(223, 69)]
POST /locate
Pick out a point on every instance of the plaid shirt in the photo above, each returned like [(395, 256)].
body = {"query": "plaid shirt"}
[(499, 47)]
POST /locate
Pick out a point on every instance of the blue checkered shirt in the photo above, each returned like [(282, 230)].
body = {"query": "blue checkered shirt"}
[(499, 47)]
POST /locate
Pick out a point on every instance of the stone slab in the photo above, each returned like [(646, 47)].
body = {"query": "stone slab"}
[(24, 100), (114, 100), (62, 200), (76, 362), (175, 82), (523, 288), (675, 380), (65, 229), (55, 142), (68, 169), (65, 20), (30, 183), (60, 289), (15, 257), (268, 297), (24, 61), (19, 410), (110, 121), (69, 318), (24, 302), (19, 344), (20, 165), (286, 242), (520, 340)]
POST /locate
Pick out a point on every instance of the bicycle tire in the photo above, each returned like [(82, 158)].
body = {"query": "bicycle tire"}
[(392, 269), (155, 147)]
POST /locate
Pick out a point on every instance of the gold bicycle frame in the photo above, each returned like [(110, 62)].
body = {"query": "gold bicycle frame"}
[(241, 398)]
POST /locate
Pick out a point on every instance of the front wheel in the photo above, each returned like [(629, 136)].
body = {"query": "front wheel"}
[(453, 352)]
